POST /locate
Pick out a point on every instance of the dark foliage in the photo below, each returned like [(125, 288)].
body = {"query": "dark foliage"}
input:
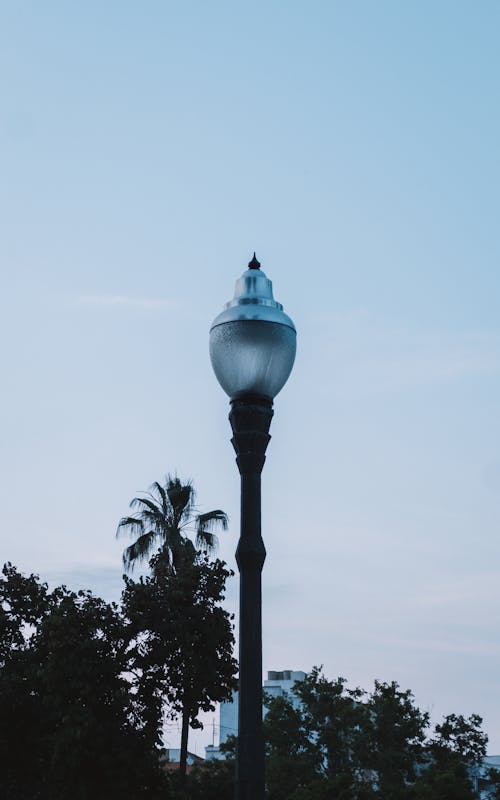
[(162, 523), (70, 726), (328, 742), (84, 685), (184, 639), (212, 781), (395, 734)]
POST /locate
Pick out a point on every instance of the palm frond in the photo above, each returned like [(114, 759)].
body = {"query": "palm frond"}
[(129, 525), (206, 542), (213, 520), (139, 550), (154, 518), (143, 501), (181, 497), (163, 495)]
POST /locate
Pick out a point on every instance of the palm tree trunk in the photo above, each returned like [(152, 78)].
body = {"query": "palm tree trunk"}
[(184, 746)]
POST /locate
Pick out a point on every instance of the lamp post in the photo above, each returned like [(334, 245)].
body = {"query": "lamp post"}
[(252, 349)]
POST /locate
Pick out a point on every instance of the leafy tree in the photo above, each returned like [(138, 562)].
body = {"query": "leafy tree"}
[(335, 716), (396, 731), (491, 784), (213, 780), (163, 519), (457, 749), (460, 737), (293, 760), (184, 638), (71, 726), (326, 741), (179, 589), (443, 782), (313, 741)]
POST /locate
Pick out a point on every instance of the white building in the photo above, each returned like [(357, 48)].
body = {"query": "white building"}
[(278, 684)]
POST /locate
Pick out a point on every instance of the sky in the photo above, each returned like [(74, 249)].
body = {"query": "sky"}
[(146, 150)]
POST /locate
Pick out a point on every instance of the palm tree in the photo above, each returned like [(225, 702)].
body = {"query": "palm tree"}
[(163, 519)]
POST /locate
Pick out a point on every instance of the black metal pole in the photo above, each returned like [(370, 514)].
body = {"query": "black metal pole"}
[(250, 419)]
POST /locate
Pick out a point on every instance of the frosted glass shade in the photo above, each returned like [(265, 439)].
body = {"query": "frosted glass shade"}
[(251, 356)]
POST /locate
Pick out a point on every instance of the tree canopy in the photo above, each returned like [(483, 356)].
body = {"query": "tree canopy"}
[(183, 636), (85, 685), (71, 723), (325, 741)]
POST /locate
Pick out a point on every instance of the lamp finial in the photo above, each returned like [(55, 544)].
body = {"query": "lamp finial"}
[(254, 264)]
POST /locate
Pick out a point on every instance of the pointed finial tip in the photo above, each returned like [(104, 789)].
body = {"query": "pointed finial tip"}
[(254, 264)]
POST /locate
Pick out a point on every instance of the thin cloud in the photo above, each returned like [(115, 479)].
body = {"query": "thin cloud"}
[(376, 358), (467, 592), (464, 645), (421, 369), (127, 302)]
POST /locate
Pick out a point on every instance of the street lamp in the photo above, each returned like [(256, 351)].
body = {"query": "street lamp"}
[(252, 349)]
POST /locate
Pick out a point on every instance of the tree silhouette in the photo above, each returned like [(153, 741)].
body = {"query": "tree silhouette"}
[(163, 519)]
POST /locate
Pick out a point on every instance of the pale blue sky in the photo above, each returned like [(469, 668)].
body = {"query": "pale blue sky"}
[(146, 149)]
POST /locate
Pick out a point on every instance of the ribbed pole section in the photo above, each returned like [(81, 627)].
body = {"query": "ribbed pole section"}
[(250, 419)]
